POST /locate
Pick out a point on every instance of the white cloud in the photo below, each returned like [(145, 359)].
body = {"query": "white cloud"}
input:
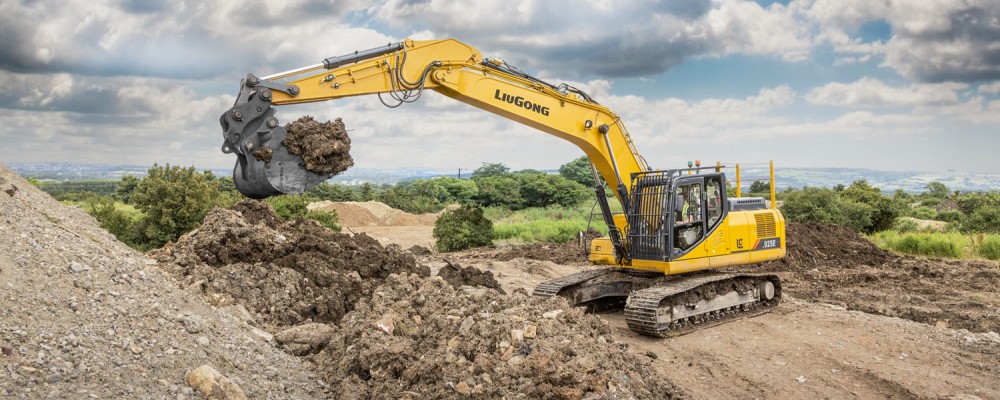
[(868, 92), (990, 88)]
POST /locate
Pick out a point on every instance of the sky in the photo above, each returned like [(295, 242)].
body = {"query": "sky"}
[(882, 84)]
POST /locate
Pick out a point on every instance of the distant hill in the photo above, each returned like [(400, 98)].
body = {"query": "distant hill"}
[(889, 181)]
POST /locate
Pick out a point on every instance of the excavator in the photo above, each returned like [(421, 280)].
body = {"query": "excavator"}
[(675, 227)]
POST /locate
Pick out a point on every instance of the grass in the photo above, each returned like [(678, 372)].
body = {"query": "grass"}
[(940, 244), (553, 224)]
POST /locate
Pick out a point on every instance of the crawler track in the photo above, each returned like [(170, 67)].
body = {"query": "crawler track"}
[(665, 306)]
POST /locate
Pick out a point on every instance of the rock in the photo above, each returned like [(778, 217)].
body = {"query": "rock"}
[(10, 190), (466, 324), (306, 338), (530, 331), (54, 378), (993, 336), (516, 336), (507, 354), (386, 324), (552, 314), (203, 341), (193, 323), (463, 388), (213, 385), (239, 312), (77, 267), (267, 337), (801, 379)]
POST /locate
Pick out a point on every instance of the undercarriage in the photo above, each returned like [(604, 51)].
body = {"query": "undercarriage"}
[(664, 306)]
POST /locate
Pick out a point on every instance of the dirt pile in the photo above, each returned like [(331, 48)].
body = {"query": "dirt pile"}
[(419, 337), (832, 264), (459, 276), (372, 213), (84, 316), (565, 254), (325, 147), (286, 272)]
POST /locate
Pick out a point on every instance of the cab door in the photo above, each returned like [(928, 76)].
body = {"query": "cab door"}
[(697, 209)]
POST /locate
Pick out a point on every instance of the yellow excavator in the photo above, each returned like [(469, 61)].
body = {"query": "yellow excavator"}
[(676, 224)]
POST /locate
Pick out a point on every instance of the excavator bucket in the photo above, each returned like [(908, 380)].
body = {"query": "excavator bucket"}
[(264, 166)]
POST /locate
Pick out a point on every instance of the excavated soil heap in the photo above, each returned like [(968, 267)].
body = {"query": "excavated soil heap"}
[(833, 264), (419, 337), (566, 254), (372, 213), (458, 276), (83, 316), (288, 272), (325, 147)]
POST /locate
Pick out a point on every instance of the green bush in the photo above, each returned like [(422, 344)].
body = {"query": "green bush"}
[(985, 219), (990, 248), (924, 213), (174, 201), (462, 228), (288, 206), (906, 225), (949, 216), (325, 218), (924, 244)]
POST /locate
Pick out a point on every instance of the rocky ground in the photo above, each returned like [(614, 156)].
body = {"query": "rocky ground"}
[(84, 316)]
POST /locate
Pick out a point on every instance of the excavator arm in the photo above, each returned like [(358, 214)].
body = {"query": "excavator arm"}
[(399, 73)]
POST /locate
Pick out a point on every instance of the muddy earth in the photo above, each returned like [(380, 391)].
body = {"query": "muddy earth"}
[(325, 147), (421, 338), (459, 276), (834, 265), (286, 272), (376, 325)]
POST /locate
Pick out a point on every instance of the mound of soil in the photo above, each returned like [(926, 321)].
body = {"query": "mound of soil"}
[(566, 254), (325, 147), (372, 213), (83, 316), (419, 337), (833, 264), (288, 272), (459, 276)]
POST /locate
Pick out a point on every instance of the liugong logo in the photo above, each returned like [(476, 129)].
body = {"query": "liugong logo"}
[(521, 102)]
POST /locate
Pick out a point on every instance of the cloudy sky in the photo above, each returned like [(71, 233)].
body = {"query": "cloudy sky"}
[(885, 84)]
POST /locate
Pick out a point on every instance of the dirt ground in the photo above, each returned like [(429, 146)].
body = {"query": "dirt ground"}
[(375, 324), (82, 316), (857, 322)]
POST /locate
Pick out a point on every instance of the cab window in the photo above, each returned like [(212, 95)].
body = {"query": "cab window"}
[(714, 201), (688, 215)]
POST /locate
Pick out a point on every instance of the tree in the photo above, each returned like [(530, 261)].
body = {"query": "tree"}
[(462, 228), (885, 210), (490, 169), (174, 201), (760, 187), (126, 186), (937, 190), (824, 206), (332, 192), (503, 191), (578, 171), (367, 192), (540, 189)]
